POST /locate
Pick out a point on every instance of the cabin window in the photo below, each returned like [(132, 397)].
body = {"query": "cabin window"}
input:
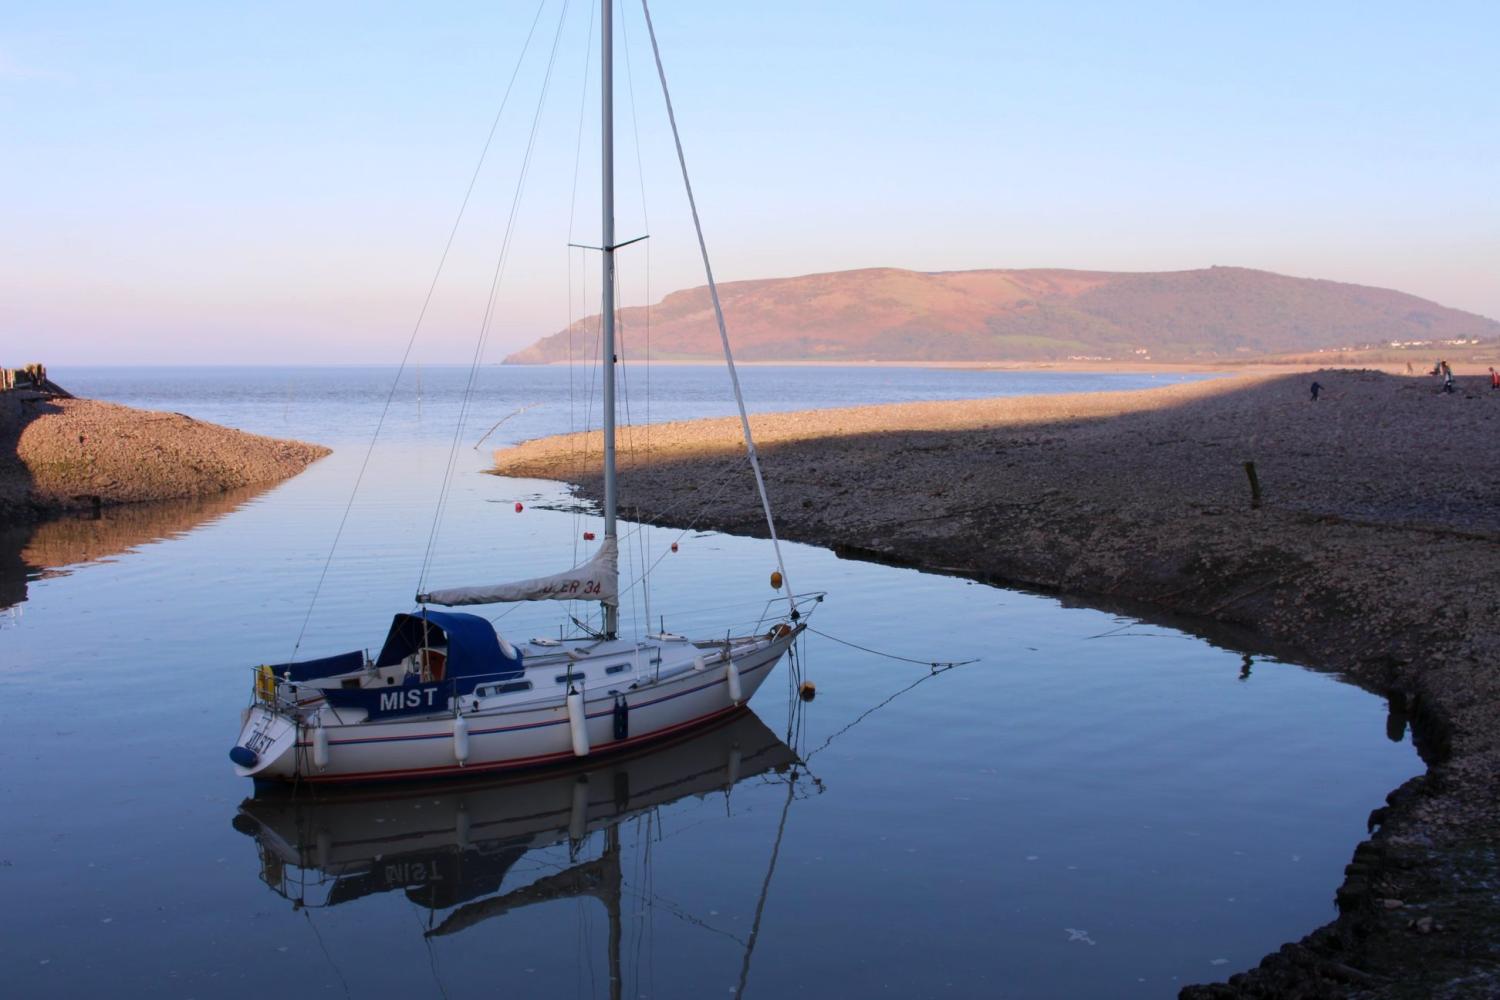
[(503, 687), (565, 678), (616, 669)]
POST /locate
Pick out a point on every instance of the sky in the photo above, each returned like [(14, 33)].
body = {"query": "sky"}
[(190, 183)]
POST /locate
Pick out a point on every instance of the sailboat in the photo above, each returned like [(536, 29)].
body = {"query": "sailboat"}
[(448, 695)]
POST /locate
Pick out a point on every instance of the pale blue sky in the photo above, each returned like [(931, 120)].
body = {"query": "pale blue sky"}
[(191, 182)]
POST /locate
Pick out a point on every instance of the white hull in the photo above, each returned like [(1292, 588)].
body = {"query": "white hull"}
[(529, 734)]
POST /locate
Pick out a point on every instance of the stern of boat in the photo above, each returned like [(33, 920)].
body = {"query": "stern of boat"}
[(267, 743)]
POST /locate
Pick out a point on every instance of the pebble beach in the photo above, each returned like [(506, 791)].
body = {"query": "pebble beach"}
[(61, 454), (1369, 546)]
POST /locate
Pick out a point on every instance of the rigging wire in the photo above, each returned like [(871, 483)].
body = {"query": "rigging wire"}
[(484, 327), (417, 326), (431, 955), (640, 173), (642, 538), (324, 948), (496, 425), (713, 291), (583, 93), (765, 888)]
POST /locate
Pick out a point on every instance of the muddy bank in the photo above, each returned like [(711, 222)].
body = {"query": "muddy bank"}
[(1375, 552), (59, 455)]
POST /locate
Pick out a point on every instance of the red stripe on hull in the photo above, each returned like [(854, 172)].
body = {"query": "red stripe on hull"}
[(518, 763)]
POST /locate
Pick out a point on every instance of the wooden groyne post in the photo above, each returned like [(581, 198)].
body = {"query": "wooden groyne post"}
[(33, 378), (1254, 485)]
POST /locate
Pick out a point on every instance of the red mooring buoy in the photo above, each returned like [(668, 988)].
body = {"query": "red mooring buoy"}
[(519, 508), (674, 546), (588, 536)]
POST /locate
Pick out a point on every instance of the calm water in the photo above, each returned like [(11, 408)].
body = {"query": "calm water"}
[(1098, 807)]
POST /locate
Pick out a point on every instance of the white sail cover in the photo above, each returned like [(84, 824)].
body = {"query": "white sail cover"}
[(596, 580)]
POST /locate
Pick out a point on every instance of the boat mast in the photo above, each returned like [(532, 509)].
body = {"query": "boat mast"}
[(607, 241)]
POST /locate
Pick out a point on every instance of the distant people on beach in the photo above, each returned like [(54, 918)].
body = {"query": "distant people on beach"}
[(1494, 378), (1409, 369), (1317, 387), (1447, 373)]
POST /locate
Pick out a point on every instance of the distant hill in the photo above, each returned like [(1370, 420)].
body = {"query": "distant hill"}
[(887, 314)]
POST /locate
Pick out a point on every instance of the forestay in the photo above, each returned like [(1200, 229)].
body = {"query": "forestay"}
[(598, 579)]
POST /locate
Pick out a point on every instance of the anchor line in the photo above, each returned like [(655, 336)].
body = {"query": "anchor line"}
[(875, 708)]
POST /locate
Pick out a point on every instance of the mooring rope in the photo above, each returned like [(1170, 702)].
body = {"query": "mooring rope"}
[(935, 665)]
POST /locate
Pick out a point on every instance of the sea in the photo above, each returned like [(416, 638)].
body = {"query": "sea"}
[(993, 794)]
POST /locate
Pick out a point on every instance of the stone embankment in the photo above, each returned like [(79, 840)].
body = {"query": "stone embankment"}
[(61, 454), (1375, 552)]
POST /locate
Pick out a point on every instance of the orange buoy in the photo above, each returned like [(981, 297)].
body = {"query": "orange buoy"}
[(808, 691), (588, 536), (775, 579), (519, 508), (674, 546)]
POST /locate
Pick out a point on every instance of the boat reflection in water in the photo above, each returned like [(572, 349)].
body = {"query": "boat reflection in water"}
[(452, 844)]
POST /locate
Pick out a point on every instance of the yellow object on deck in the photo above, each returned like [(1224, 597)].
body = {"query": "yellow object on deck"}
[(265, 684)]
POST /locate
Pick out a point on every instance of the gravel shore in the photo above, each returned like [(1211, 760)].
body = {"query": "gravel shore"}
[(1375, 552), (76, 454)]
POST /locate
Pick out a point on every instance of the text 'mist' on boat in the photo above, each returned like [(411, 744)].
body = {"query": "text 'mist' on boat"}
[(447, 694)]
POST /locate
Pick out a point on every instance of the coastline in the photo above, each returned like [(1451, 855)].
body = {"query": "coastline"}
[(1375, 554), (1260, 366)]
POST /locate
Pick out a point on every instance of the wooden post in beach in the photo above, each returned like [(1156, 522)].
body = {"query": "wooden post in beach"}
[(1254, 485)]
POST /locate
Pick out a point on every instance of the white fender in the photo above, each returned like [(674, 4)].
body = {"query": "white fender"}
[(578, 816), (323, 844), (732, 673), (578, 724), (699, 663), (461, 829), (460, 739), (320, 747), (734, 766)]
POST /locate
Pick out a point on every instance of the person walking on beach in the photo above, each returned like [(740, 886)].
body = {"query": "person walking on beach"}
[(1494, 379), (1317, 387), (1447, 378)]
